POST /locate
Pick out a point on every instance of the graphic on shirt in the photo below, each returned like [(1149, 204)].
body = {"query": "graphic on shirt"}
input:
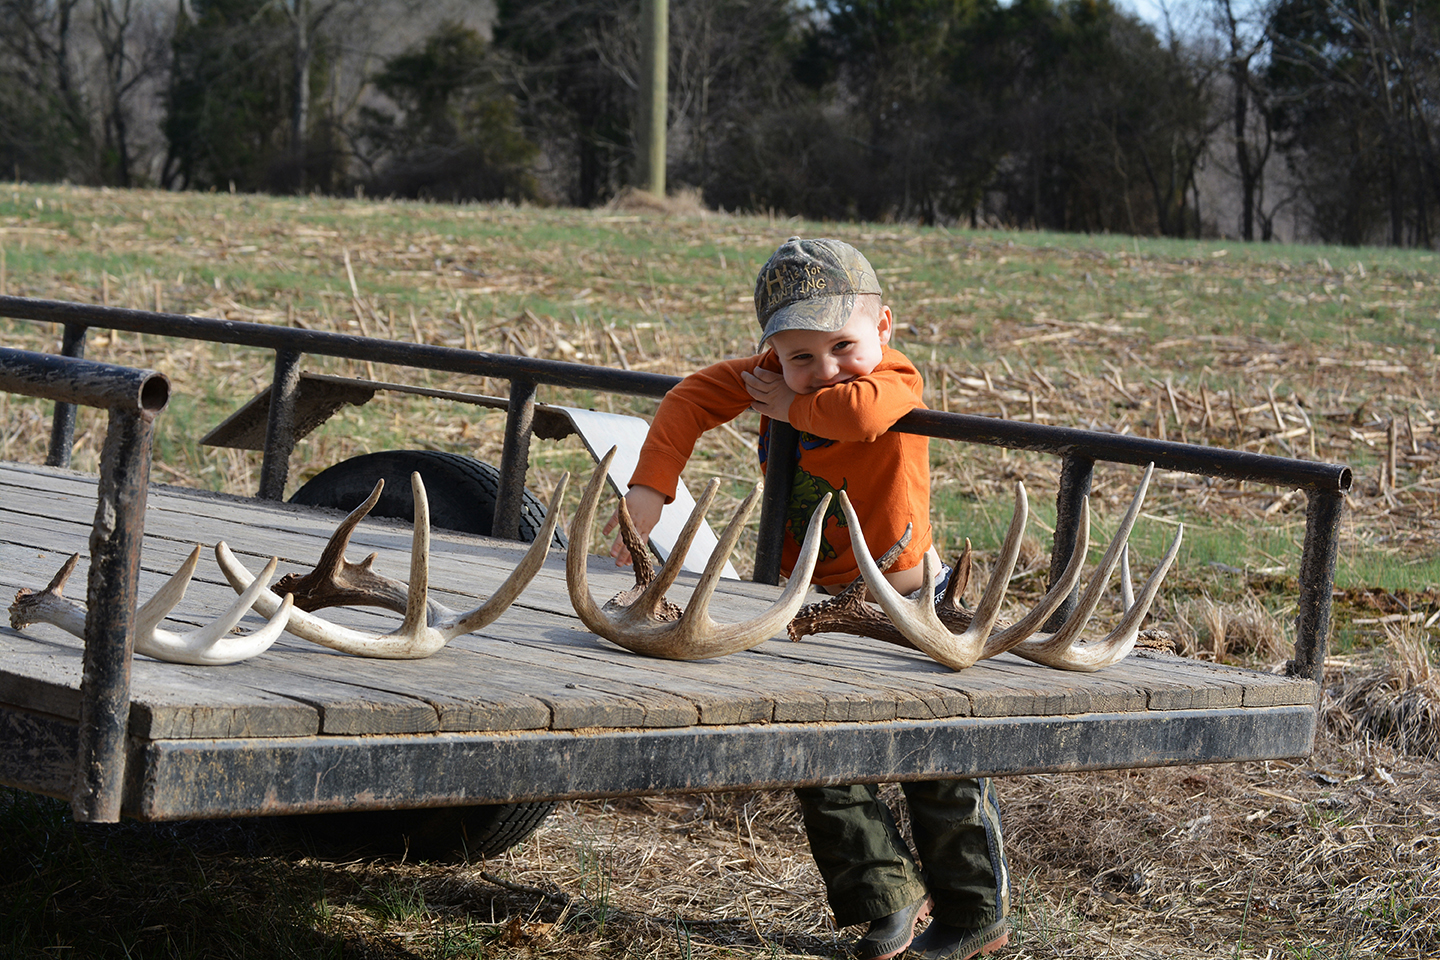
[(806, 491), (809, 441), (805, 496)]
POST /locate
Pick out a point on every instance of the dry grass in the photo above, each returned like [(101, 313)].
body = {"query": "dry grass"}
[(1330, 857), (1253, 348), (1234, 630), (1397, 699)]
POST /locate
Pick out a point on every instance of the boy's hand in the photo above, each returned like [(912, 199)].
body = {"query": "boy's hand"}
[(643, 504), (772, 397)]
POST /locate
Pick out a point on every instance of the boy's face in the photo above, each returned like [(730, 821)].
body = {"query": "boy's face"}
[(814, 359)]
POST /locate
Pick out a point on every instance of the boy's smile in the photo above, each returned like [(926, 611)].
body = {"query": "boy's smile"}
[(815, 359)]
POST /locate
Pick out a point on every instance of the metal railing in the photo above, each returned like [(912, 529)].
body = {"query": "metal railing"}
[(1325, 484), (134, 398)]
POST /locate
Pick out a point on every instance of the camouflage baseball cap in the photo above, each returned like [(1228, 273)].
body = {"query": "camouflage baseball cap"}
[(811, 285)]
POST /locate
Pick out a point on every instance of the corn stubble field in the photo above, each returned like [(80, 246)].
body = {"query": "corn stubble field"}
[(1320, 353)]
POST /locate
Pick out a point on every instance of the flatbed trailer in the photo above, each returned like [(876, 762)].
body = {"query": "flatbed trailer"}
[(534, 707)]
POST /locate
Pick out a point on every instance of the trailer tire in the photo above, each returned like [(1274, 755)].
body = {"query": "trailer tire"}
[(438, 833), (461, 491), (462, 494)]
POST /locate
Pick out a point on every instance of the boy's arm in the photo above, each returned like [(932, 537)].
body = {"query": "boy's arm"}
[(704, 399), (862, 409)]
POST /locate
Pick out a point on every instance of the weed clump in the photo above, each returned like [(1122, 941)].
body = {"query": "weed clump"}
[(1397, 700)]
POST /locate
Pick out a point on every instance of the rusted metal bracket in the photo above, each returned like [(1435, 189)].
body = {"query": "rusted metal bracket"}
[(134, 398)]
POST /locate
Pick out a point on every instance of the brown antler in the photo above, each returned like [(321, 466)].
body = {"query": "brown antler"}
[(638, 620), (210, 645), (428, 625)]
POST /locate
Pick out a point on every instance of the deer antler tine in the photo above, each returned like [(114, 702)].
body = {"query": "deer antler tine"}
[(709, 639), (226, 622), (419, 593), (917, 618), (654, 592), (49, 605), (959, 577), (1127, 588), (154, 610), (579, 549), (1034, 619), (1117, 644), (1122, 638), (710, 578), (518, 579), (334, 553), (988, 610), (694, 636)]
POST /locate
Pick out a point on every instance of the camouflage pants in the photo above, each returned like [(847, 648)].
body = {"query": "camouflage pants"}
[(870, 872)]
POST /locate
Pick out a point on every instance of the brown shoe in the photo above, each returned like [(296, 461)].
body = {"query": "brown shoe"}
[(940, 941), (889, 936)]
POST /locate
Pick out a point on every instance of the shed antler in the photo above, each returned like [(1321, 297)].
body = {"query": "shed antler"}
[(918, 621), (644, 624), (210, 645), (428, 625)]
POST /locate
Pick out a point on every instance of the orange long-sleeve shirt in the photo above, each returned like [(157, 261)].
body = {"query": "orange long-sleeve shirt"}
[(844, 445)]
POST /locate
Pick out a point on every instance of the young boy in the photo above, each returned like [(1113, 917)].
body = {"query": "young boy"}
[(825, 366)]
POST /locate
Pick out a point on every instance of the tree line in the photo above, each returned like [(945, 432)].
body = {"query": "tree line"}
[(1061, 114)]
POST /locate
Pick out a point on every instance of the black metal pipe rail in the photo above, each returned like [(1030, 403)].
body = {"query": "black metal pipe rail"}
[(1324, 483), (134, 398)]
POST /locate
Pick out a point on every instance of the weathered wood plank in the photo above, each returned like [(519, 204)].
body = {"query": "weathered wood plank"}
[(39, 675), (536, 667), (248, 777), (37, 752)]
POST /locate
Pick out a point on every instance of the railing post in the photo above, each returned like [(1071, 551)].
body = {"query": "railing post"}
[(1323, 510), (62, 426), (779, 477), (514, 457), (1075, 476), (110, 596), (280, 427)]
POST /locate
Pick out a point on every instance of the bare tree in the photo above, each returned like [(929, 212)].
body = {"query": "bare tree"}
[(1360, 103), (39, 61), (131, 42), (1251, 137)]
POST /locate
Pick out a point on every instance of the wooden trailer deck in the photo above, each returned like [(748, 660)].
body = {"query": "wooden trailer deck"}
[(537, 707)]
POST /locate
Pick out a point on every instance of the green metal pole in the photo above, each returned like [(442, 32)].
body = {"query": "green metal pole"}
[(655, 44)]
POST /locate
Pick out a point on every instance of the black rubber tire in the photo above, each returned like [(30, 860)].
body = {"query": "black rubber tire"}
[(440, 833), (461, 491)]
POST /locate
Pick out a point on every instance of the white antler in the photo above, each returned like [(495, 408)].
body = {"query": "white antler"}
[(643, 625), (210, 645), (427, 626), (917, 619)]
